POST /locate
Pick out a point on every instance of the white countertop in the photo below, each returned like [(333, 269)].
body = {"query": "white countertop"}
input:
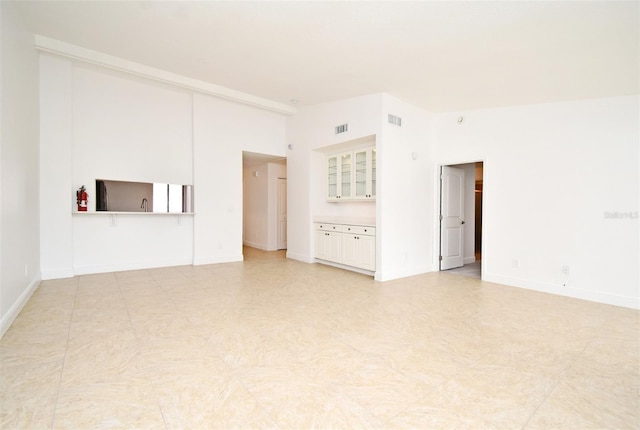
[(129, 213), (366, 222)]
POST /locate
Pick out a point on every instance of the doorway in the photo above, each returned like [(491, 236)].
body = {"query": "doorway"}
[(460, 215), (264, 210)]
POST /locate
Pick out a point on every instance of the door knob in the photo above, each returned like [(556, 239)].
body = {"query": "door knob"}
[(461, 222)]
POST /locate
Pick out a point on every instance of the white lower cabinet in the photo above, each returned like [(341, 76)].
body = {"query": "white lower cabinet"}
[(329, 246), (350, 245)]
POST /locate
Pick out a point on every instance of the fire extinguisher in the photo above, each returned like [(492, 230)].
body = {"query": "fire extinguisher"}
[(83, 198)]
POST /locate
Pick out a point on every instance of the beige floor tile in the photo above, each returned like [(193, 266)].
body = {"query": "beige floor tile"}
[(382, 390), (130, 403), (28, 391), (114, 356), (573, 405), (295, 401), (479, 396), (225, 404), (26, 410), (279, 344)]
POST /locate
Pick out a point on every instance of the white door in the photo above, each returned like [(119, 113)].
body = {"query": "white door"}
[(451, 217), (282, 213)]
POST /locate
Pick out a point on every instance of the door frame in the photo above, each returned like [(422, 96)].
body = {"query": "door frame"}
[(438, 199), (279, 231)]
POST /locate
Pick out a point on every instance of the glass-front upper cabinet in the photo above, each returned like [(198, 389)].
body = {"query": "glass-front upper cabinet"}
[(365, 173), (332, 168), (339, 172), (351, 175), (345, 170)]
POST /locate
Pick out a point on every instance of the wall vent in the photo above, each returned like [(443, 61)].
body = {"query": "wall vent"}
[(395, 120), (343, 128)]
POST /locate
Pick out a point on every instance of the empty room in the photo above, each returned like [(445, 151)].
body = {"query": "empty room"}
[(290, 215)]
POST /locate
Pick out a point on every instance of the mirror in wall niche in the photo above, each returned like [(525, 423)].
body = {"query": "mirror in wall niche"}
[(127, 196)]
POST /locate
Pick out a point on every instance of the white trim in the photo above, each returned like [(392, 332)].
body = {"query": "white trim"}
[(139, 265), (576, 293), (300, 257), (256, 245), (405, 273), (217, 259), (57, 274), (345, 267), (98, 58), (13, 313)]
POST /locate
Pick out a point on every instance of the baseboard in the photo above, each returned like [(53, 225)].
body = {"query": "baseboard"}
[(576, 293), (256, 245), (345, 267), (469, 260), (398, 274), (300, 257), (217, 259), (57, 274), (121, 267), (14, 311)]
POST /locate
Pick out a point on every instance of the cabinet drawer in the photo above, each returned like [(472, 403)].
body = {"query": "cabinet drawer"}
[(359, 229), (329, 227)]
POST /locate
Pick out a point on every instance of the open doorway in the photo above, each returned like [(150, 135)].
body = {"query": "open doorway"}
[(461, 193), (264, 220)]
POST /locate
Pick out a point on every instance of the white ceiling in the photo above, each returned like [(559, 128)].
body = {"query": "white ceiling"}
[(442, 56)]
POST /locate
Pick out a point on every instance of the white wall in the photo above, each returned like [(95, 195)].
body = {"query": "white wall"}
[(129, 129), (98, 123), (104, 242), (552, 172), (404, 207), (19, 203), (405, 204), (56, 189), (221, 131), (309, 132)]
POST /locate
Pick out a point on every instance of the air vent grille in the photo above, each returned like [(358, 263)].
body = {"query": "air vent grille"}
[(395, 120), (343, 128)]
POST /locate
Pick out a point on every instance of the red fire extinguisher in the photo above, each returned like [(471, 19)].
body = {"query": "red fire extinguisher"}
[(83, 198)]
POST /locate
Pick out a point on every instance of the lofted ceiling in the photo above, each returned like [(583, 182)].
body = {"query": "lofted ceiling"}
[(441, 56)]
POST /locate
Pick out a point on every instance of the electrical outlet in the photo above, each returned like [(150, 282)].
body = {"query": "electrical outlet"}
[(26, 270), (565, 270), (515, 264)]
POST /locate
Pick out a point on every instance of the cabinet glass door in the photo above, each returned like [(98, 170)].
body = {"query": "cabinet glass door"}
[(333, 176), (361, 174), (373, 172), (345, 170)]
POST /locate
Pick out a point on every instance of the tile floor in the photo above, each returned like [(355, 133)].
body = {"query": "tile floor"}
[(471, 270), (275, 343)]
